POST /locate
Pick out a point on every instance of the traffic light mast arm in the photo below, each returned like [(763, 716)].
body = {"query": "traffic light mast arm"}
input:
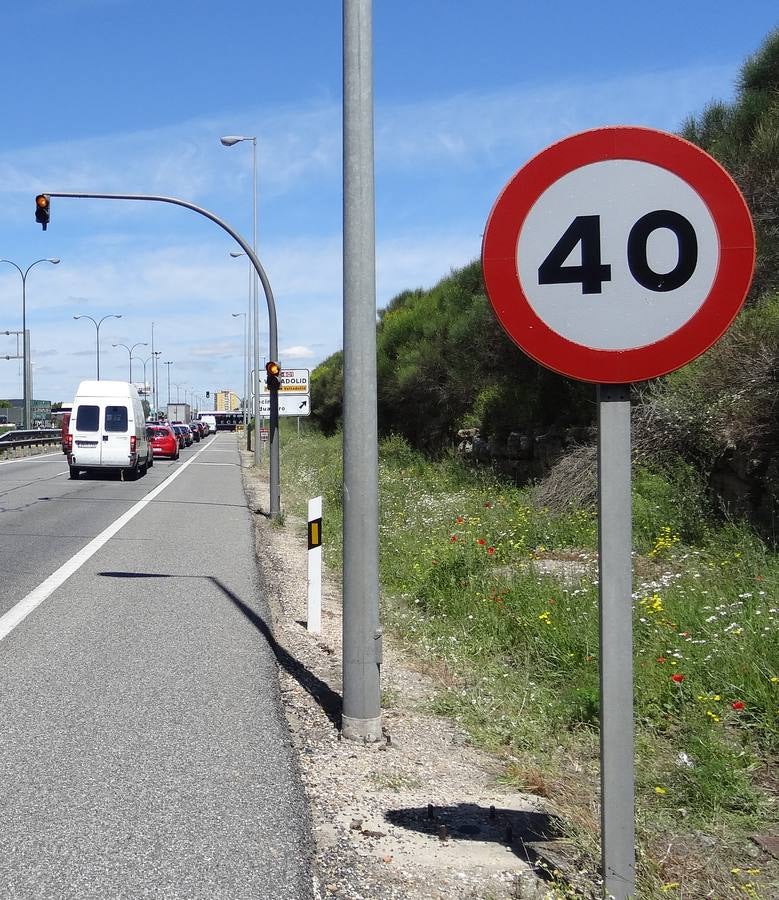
[(275, 492), (154, 198)]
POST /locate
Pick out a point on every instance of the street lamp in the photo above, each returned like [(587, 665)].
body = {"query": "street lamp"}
[(229, 141), (155, 372), (97, 334), (245, 368), (130, 353), (145, 382), (169, 363), (25, 345)]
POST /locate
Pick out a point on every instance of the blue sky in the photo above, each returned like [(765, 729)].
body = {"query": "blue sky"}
[(120, 96)]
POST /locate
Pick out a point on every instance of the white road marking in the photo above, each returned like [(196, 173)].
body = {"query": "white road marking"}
[(45, 589), (7, 462)]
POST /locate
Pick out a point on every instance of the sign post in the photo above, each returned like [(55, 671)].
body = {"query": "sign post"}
[(617, 255)]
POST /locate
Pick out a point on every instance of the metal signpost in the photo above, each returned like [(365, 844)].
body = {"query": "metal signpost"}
[(617, 255)]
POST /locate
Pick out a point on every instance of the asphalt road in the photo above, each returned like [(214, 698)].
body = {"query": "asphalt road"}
[(143, 749)]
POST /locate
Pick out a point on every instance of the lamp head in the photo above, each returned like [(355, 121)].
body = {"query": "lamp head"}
[(54, 260), (230, 140), (236, 253)]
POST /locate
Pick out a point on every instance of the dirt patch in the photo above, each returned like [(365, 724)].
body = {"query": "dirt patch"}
[(419, 815)]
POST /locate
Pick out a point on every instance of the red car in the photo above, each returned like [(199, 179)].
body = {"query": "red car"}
[(163, 441)]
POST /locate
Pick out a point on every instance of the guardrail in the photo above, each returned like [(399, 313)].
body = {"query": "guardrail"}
[(19, 443)]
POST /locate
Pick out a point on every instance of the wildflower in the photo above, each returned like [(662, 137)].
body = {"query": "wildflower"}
[(488, 505), (490, 551), (713, 716), (660, 790), (459, 520), (669, 886), (481, 542), (774, 679), (545, 617), (453, 539), (661, 659), (738, 705), (677, 677)]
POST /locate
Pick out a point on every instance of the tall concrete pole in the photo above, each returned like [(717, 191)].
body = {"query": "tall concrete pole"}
[(361, 630)]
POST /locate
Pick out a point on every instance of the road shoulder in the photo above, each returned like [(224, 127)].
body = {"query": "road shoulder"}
[(420, 814)]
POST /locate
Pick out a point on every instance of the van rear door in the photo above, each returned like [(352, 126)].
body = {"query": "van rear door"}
[(85, 429), (116, 439)]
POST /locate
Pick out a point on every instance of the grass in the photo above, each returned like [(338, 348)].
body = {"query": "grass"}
[(501, 599)]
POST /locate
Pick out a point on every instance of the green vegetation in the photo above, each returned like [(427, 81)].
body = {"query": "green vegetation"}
[(495, 587), (499, 599)]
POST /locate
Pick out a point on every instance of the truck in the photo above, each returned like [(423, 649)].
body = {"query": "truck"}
[(179, 412)]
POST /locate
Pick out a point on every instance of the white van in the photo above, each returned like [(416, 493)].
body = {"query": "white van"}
[(107, 430), (210, 421)]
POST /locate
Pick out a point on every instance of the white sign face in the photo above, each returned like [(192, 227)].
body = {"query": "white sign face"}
[(289, 405), (617, 254), (293, 381)]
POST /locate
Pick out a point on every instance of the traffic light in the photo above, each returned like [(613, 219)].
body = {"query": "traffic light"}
[(208, 394), (42, 210), (272, 371)]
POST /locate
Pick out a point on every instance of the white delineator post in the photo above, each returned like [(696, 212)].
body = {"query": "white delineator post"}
[(314, 616)]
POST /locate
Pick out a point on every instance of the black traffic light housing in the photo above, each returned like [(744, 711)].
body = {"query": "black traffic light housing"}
[(42, 204), (208, 394), (272, 372)]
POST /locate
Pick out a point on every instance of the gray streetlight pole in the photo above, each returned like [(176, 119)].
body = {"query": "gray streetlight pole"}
[(27, 399), (273, 340), (169, 363), (130, 354), (229, 141), (157, 354), (245, 403), (362, 639), (97, 334), (145, 382)]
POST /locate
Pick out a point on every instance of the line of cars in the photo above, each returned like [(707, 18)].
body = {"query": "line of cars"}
[(170, 438), (106, 430)]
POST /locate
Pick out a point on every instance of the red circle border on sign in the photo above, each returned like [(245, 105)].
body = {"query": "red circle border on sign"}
[(734, 272)]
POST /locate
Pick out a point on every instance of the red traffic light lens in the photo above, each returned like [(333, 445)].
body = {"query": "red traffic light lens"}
[(272, 368)]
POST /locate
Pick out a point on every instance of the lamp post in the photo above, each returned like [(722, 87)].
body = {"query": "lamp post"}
[(155, 370), (245, 368), (130, 353), (145, 382), (178, 387), (169, 363), (229, 141), (97, 334), (25, 344)]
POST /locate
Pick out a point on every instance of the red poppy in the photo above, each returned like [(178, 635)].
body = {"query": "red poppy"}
[(661, 659), (488, 505), (738, 705), (459, 520), (481, 542), (677, 677), (490, 551), (453, 538)]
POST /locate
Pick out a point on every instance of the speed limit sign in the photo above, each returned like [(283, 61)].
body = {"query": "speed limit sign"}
[(618, 254)]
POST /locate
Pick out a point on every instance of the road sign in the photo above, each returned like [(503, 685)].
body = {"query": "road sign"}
[(618, 254), (289, 405), (293, 381)]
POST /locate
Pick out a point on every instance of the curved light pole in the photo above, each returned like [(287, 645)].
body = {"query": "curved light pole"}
[(97, 334), (130, 353), (273, 339), (229, 141), (245, 403), (155, 371), (25, 346)]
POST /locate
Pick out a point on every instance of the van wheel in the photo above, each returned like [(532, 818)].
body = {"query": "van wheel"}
[(74, 470), (150, 462)]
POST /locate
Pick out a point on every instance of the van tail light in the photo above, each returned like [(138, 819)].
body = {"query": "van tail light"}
[(68, 443), (133, 443)]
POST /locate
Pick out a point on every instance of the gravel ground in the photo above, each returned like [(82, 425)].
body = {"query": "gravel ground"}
[(419, 815)]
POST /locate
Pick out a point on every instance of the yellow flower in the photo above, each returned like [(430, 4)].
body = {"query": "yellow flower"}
[(774, 679), (660, 790), (669, 886)]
